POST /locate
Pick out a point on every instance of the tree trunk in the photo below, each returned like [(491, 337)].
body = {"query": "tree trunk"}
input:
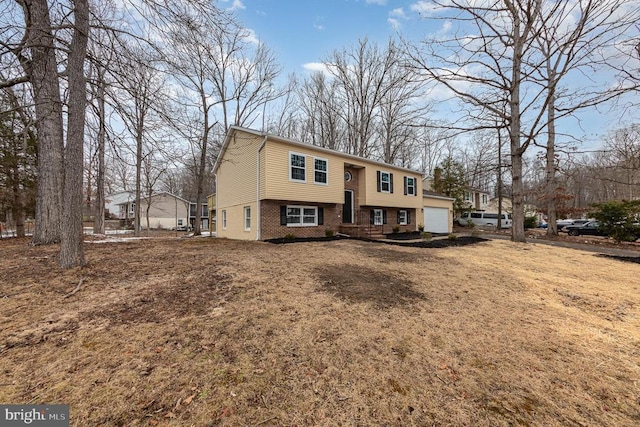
[(550, 170), (43, 75), (137, 211), (98, 223), (517, 228), (71, 244)]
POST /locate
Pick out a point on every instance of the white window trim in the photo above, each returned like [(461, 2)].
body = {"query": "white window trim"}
[(326, 172), (302, 223), (388, 190), (413, 187), (247, 209), (290, 166), (224, 219), (403, 222)]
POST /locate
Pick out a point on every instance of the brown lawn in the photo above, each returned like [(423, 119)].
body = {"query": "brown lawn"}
[(210, 332)]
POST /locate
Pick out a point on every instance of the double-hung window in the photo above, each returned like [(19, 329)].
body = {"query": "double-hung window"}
[(402, 217), (409, 186), (297, 167), (302, 215), (385, 182), (247, 218), (320, 171)]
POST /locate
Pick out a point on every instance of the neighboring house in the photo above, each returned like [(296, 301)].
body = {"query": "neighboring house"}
[(476, 199), (166, 211), (270, 187), (492, 206), (114, 204), (204, 216)]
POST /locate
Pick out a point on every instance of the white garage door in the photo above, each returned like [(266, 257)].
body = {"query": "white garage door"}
[(436, 220)]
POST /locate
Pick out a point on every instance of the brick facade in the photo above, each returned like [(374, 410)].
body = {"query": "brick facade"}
[(392, 218), (270, 227)]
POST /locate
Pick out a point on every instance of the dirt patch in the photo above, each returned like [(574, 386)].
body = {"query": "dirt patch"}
[(188, 297), (356, 284)]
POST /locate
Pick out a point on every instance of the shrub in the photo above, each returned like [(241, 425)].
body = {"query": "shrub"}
[(619, 219), (530, 221), (420, 228), (396, 228), (328, 232), (426, 235), (290, 236), (452, 236)]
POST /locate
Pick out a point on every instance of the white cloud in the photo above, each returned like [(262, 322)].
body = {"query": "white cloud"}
[(378, 2), (395, 24), (315, 66), (425, 8), (250, 36), (398, 13), (235, 5), (318, 27)]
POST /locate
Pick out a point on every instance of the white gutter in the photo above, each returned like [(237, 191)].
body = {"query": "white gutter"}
[(258, 230)]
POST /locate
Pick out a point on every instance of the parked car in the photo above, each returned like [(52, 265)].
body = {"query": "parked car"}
[(589, 228), (484, 219), (562, 223)]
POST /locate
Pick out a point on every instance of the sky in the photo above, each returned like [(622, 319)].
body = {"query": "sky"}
[(303, 32)]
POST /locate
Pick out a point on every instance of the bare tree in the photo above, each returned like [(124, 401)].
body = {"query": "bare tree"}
[(498, 61), (212, 58)]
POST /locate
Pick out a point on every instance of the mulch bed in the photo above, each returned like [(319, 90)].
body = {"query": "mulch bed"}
[(635, 259), (439, 243)]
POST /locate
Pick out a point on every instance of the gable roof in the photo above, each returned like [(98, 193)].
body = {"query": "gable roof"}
[(291, 142), (152, 196), (435, 195)]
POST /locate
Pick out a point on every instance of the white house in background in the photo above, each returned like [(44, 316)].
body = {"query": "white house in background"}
[(116, 204), (166, 211)]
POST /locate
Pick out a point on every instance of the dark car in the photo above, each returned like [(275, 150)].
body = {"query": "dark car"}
[(561, 224), (590, 228)]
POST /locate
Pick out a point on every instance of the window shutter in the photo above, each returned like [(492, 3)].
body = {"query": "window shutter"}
[(320, 216), (408, 217), (283, 215), (384, 216), (398, 221), (406, 185), (379, 183), (372, 215), (391, 183)]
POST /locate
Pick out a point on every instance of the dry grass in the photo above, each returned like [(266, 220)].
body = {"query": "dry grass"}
[(213, 332)]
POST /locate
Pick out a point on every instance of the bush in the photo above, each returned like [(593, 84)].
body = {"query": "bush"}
[(426, 235), (530, 221), (452, 236), (396, 228), (290, 236), (619, 219), (328, 232), (420, 228)]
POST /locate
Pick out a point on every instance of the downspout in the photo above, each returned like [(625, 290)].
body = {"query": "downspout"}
[(215, 178), (258, 219)]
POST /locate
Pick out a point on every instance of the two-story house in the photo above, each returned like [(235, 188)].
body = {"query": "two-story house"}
[(270, 187)]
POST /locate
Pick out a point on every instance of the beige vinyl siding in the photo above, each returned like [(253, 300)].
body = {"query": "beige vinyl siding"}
[(437, 203), (278, 186), (236, 185), (163, 212), (235, 222), (397, 198)]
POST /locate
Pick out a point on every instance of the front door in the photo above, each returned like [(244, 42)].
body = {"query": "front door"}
[(347, 208)]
